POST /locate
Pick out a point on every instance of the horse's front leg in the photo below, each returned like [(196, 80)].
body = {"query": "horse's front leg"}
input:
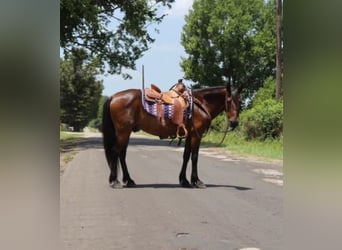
[(186, 156), (195, 181)]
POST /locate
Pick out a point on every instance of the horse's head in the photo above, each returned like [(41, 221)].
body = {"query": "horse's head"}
[(233, 106)]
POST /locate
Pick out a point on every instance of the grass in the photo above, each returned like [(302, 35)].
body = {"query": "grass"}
[(234, 142), (68, 158), (270, 149), (68, 136), (68, 142)]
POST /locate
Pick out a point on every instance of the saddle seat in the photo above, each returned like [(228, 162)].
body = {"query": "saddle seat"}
[(172, 97), (154, 94)]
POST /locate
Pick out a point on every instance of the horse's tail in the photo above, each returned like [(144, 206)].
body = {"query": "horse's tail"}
[(108, 131)]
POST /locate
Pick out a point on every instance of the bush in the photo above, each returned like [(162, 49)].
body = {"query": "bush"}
[(219, 123), (63, 127), (95, 123), (265, 92), (263, 120)]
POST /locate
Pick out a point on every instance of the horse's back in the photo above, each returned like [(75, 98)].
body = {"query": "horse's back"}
[(127, 93), (125, 104), (126, 97)]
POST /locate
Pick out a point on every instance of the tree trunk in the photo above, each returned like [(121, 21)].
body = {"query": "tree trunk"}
[(279, 49)]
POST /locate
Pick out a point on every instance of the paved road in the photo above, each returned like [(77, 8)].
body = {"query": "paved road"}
[(240, 208)]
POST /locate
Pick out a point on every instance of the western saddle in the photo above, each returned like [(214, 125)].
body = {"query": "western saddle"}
[(178, 96)]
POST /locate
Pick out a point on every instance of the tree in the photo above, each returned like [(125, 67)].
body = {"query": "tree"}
[(279, 57), (80, 92), (230, 41), (115, 32), (97, 122)]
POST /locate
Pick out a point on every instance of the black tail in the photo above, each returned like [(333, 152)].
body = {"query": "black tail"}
[(108, 132)]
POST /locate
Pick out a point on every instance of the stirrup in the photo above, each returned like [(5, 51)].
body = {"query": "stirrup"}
[(185, 132)]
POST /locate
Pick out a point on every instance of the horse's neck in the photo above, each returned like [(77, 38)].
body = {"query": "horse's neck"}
[(214, 103), (216, 109)]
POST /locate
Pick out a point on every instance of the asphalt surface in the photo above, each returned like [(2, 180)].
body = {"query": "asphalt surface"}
[(241, 208)]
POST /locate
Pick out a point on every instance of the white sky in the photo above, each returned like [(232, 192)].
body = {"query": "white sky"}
[(161, 61)]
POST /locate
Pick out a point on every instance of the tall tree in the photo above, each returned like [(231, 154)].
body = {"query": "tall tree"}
[(80, 92), (230, 41), (114, 31), (279, 57)]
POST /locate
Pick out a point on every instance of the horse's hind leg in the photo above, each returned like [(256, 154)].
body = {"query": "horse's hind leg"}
[(126, 177), (122, 143), (113, 177)]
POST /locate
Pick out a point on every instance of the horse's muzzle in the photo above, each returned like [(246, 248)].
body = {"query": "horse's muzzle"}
[(233, 124)]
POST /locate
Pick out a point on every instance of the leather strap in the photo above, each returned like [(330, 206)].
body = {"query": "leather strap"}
[(200, 104)]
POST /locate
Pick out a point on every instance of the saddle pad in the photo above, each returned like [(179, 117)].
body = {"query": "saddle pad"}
[(151, 108)]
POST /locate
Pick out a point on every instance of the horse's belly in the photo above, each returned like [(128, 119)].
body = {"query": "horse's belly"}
[(164, 128)]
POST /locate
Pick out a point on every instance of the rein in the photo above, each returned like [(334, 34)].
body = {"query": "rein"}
[(227, 123)]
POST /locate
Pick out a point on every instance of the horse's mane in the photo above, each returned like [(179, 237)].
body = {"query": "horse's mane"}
[(210, 91), (214, 90)]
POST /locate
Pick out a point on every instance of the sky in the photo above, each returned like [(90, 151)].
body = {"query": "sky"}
[(162, 61)]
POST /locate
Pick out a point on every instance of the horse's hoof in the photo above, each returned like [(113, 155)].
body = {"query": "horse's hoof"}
[(115, 184), (185, 184), (130, 183), (199, 184)]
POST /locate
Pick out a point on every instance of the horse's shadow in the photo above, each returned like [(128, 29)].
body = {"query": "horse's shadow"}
[(167, 186)]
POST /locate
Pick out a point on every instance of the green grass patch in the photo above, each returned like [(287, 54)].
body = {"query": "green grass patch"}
[(95, 130), (68, 142), (271, 149), (69, 136), (68, 158), (235, 142)]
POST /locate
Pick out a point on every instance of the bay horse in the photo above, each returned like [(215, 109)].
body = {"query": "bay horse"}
[(123, 113)]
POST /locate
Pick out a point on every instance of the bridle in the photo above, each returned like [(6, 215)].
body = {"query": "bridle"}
[(228, 101)]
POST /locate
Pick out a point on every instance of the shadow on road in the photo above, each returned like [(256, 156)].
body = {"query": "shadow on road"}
[(167, 186), (154, 141), (80, 144), (90, 142), (96, 143)]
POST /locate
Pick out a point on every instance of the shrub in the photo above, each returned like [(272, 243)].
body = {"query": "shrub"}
[(63, 127), (265, 92), (95, 123), (219, 123), (263, 120)]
